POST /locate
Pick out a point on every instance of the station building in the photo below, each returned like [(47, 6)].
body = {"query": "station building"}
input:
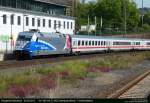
[(22, 15)]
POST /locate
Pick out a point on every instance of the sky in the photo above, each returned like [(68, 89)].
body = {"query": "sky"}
[(146, 3)]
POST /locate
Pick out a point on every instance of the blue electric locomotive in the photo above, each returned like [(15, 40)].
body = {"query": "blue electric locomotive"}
[(35, 43)]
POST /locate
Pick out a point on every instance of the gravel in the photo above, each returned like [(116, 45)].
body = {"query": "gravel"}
[(101, 86)]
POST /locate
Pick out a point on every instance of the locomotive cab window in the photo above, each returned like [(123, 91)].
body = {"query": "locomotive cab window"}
[(37, 39), (24, 38), (74, 43)]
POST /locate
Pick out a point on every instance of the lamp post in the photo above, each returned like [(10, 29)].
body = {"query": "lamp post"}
[(142, 12), (125, 18), (11, 34), (88, 24), (101, 25)]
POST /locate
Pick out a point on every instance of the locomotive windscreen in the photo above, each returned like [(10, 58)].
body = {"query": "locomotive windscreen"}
[(24, 36)]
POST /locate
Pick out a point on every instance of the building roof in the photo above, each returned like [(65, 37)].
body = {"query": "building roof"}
[(35, 13), (56, 2)]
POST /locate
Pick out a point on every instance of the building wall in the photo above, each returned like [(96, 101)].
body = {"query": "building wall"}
[(40, 10), (12, 29)]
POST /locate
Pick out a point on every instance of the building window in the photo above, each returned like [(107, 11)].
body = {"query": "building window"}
[(39, 23), (71, 25), (43, 22), (55, 24), (33, 21), (59, 24), (27, 21), (67, 25), (19, 20), (12, 19), (64, 25), (4, 19), (49, 24)]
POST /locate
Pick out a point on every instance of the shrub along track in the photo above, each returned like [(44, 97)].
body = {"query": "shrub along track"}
[(54, 59)]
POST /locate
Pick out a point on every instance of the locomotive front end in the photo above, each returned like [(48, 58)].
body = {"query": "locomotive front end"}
[(22, 47)]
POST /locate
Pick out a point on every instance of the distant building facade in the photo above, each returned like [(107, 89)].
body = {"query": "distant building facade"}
[(35, 5), (22, 15)]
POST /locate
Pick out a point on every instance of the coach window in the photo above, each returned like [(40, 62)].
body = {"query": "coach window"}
[(104, 42), (4, 19), (79, 43), (148, 43), (82, 43), (89, 43), (96, 43), (43, 22), (27, 21), (74, 43), (39, 23), (99, 43), (92, 43), (12, 19), (137, 43), (86, 43), (33, 21), (19, 20)]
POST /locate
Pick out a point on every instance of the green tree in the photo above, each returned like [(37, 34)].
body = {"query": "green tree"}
[(112, 12), (147, 18)]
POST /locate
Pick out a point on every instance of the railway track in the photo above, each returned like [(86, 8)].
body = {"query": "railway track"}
[(134, 89), (54, 59)]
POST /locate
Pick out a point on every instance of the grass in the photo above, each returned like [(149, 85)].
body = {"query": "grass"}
[(71, 71)]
